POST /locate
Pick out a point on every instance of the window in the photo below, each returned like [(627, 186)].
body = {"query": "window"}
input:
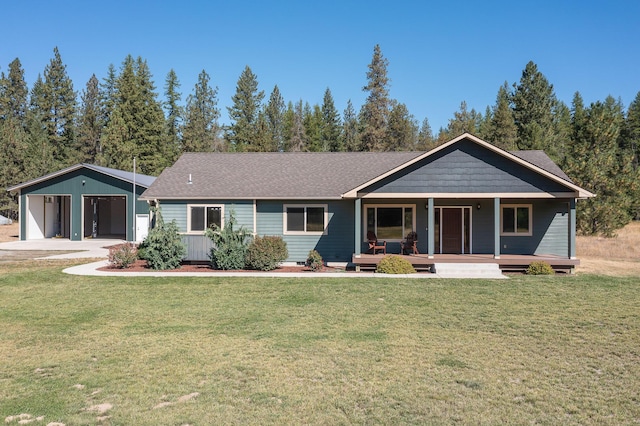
[(516, 219), (311, 219), (201, 217), (390, 222)]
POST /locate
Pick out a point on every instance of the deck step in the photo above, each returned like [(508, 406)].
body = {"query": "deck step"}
[(468, 270)]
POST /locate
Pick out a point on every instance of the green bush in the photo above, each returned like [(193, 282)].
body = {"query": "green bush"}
[(163, 248), (122, 256), (229, 245), (266, 253), (395, 265), (314, 261), (540, 268)]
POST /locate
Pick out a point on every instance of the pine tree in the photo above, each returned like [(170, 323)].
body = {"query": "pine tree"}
[(201, 131), (59, 109), (174, 112), (594, 162), (503, 132), (312, 121), (244, 112), (350, 126), (274, 114), (297, 139), (40, 150), (13, 93), (136, 127), (629, 144), (533, 105), (426, 140), (374, 115), (402, 129), (463, 121), (90, 123), (331, 126)]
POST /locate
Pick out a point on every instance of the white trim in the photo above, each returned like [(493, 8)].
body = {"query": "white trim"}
[(189, 206), (325, 207), (581, 192), (469, 195), (516, 233), (255, 217), (376, 206)]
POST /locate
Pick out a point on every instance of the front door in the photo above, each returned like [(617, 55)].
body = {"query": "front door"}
[(452, 230)]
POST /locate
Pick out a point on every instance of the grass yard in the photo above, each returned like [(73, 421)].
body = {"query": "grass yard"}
[(178, 351)]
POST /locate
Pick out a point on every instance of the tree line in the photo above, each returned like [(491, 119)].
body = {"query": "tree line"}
[(49, 127)]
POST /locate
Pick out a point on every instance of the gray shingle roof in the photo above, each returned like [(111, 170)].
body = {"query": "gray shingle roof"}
[(268, 175), (541, 159)]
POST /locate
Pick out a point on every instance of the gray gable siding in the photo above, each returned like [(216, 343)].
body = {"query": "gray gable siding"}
[(466, 167), (336, 246)]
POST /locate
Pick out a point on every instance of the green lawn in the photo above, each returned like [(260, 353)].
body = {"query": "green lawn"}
[(175, 351)]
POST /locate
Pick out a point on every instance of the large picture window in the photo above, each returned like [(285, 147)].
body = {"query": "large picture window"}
[(305, 219), (516, 219), (390, 222), (201, 217)]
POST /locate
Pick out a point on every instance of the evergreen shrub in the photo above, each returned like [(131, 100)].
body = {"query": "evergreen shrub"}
[(229, 245), (122, 256), (395, 265), (266, 253), (540, 268), (314, 261), (163, 248)]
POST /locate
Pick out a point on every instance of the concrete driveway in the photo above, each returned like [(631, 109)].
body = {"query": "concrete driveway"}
[(73, 249)]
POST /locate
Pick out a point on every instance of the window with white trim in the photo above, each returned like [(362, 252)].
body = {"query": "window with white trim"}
[(202, 216), (305, 219), (516, 219), (390, 222)]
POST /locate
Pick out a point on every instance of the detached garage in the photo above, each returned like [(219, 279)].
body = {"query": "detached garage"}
[(84, 201)]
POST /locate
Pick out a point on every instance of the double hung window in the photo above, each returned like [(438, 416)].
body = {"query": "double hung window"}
[(516, 219), (305, 219), (202, 217)]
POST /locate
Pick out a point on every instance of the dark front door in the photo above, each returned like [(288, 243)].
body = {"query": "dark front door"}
[(452, 230)]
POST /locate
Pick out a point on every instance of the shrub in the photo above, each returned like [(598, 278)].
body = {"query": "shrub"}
[(266, 253), (314, 261), (122, 256), (163, 248), (395, 265), (540, 268), (229, 245)]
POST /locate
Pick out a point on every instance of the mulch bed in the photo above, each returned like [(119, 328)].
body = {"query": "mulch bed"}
[(141, 266)]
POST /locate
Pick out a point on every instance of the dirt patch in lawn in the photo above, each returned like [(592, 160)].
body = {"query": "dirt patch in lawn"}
[(9, 233)]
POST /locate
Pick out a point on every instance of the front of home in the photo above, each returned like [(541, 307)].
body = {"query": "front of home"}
[(465, 197)]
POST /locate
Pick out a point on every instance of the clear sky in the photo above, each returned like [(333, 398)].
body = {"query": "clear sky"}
[(440, 53)]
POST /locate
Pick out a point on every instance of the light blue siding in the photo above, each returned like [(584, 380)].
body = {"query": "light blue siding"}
[(335, 246), (198, 245)]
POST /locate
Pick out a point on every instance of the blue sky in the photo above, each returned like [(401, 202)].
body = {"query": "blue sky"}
[(440, 53)]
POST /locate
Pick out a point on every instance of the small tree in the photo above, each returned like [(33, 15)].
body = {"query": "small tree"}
[(229, 245), (163, 248)]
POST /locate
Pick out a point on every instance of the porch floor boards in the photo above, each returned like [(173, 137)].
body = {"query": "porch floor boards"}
[(507, 262)]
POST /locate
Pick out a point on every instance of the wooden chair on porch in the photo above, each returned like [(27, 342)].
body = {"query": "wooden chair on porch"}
[(374, 244), (410, 244)]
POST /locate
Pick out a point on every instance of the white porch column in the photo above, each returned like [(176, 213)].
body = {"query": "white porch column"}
[(496, 228), (358, 227), (431, 227), (572, 228)]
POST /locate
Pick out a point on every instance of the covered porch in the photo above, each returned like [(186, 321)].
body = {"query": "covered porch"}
[(506, 263)]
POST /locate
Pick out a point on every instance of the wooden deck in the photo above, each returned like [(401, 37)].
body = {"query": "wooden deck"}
[(507, 262)]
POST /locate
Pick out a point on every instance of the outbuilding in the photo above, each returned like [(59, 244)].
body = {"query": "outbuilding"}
[(84, 201)]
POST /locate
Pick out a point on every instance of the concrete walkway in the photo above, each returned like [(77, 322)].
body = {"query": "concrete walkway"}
[(86, 249), (98, 249)]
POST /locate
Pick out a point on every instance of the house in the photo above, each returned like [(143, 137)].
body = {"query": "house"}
[(466, 197), (84, 201)]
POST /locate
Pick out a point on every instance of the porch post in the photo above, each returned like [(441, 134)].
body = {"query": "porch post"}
[(431, 228), (572, 228), (358, 227), (496, 228)]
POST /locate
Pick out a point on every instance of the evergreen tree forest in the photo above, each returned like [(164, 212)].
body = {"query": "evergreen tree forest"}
[(55, 124)]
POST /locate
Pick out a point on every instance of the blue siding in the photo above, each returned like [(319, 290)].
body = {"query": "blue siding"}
[(466, 167), (336, 246), (198, 245)]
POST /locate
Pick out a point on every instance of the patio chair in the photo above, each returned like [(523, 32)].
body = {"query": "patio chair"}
[(410, 244), (374, 244)]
